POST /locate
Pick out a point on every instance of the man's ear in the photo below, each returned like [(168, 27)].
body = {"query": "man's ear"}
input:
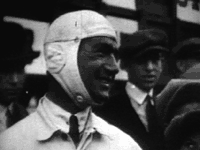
[(54, 56), (181, 65)]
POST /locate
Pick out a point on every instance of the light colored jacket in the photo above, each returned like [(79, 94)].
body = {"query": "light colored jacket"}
[(37, 132)]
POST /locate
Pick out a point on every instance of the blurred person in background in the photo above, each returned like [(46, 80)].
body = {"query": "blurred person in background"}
[(79, 51), (183, 132), (164, 98), (186, 55), (142, 55), (181, 120), (180, 95), (15, 54)]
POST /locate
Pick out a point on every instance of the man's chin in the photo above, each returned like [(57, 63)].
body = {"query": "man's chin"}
[(101, 98), (147, 87)]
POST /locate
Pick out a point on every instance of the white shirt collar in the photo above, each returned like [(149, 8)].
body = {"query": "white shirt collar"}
[(137, 94), (56, 119)]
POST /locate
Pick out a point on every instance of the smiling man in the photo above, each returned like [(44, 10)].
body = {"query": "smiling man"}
[(142, 55), (79, 52), (98, 52)]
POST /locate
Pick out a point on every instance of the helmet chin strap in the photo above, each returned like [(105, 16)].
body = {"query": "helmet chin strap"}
[(68, 74)]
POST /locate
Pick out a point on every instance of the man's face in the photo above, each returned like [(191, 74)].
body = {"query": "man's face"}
[(11, 85), (145, 70), (97, 66)]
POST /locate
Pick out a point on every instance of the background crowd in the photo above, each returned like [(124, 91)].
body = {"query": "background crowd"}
[(81, 51)]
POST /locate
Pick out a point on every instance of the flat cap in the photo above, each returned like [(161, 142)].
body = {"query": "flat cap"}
[(17, 45), (187, 48), (144, 41)]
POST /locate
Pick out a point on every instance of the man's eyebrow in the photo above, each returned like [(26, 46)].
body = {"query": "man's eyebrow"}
[(109, 46)]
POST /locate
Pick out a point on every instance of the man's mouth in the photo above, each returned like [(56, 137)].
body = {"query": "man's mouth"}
[(107, 80), (149, 77)]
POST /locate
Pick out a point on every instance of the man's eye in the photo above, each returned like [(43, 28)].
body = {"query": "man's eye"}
[(104, 52), (100, 55), (140, 61), (155, 60)]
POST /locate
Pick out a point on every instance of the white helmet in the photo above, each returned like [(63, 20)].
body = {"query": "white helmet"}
[(61, 49)]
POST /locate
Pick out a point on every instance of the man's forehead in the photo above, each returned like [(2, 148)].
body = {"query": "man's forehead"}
[(103, 40)]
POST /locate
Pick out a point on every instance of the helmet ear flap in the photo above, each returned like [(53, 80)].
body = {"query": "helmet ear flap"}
[(54, 56)]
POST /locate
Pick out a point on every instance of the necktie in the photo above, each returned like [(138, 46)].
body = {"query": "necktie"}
[(73, 130), (151, 115)]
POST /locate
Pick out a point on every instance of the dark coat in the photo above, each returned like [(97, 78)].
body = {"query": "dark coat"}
[(119, 112), (14, 113)]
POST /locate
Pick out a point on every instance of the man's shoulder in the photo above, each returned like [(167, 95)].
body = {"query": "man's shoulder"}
[(117, 137)]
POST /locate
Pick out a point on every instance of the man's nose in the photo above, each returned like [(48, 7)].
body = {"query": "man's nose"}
[(150, 65), (111, 64)]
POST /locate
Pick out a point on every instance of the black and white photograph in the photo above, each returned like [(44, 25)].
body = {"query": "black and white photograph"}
[(100, 75)]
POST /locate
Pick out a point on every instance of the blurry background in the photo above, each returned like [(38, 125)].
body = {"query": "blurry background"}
[(179, 18)]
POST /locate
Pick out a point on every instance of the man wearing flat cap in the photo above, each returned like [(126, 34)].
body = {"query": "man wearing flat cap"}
[(142, 55), (15, 55), (186, 56), (79, 51)]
